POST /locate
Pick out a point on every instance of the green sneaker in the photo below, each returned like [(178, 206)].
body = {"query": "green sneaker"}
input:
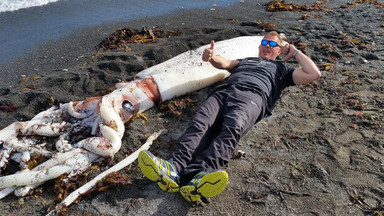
[(205, 184), (160, 171)]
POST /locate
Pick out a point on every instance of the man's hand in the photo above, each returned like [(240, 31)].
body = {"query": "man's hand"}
[(218, 61), (307, 72), (288, 51), (208, 53)]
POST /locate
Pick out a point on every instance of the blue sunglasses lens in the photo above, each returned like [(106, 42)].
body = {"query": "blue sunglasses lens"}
[(271, 43), (264, 42)]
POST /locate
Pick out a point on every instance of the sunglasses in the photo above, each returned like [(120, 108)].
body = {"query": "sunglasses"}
[(271, 43)]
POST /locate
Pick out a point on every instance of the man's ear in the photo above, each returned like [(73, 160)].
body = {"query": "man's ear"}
[(280, 50)]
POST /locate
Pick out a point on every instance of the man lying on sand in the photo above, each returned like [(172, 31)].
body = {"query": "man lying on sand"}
[(249, 95)]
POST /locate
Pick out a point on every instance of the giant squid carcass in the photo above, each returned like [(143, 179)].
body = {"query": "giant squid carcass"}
[(105, 116)]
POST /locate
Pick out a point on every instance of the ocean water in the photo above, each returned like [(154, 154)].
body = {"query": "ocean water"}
[(26, 24)]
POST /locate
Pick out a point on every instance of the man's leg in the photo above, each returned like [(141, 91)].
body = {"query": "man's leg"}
[(241, 111), (165, 173), (201, 129)]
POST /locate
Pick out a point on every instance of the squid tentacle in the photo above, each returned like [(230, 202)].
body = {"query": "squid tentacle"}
[(33, 177), (72, 162), (4, 155)]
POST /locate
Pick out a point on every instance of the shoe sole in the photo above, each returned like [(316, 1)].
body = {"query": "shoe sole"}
[(149, 168), (210, 185)]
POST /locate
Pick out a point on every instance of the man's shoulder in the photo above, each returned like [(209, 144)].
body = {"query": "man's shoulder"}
[(281, 63)]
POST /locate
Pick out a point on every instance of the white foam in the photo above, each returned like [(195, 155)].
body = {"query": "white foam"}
[(12, 5)]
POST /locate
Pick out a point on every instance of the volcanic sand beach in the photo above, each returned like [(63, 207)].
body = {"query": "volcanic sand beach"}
[(320, 153)]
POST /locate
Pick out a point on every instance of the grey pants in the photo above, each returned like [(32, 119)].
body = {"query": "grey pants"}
[(212, 136)]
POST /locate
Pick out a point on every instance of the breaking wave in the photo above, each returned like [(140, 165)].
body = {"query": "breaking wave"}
[(12, 5)]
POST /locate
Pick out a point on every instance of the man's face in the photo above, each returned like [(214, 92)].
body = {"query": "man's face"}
[(268, 52)]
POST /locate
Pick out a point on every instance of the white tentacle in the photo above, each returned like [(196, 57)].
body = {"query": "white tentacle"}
[(112, 119), (72, 162), (37, 127), (4, 155), (105, 146), (9, 131), (33, 177), (5, 192), (23, 144), (71, 111), (62, 144)]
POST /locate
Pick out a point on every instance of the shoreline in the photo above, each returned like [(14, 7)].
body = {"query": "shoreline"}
[(71, 24), (64, 53)]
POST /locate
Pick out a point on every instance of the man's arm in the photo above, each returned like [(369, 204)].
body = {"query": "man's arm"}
[(308, 70), (218, 61)]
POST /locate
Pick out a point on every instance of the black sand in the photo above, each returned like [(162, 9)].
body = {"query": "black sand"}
[(321, 153)]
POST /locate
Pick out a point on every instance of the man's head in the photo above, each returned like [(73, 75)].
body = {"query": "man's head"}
[(267, 51)]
